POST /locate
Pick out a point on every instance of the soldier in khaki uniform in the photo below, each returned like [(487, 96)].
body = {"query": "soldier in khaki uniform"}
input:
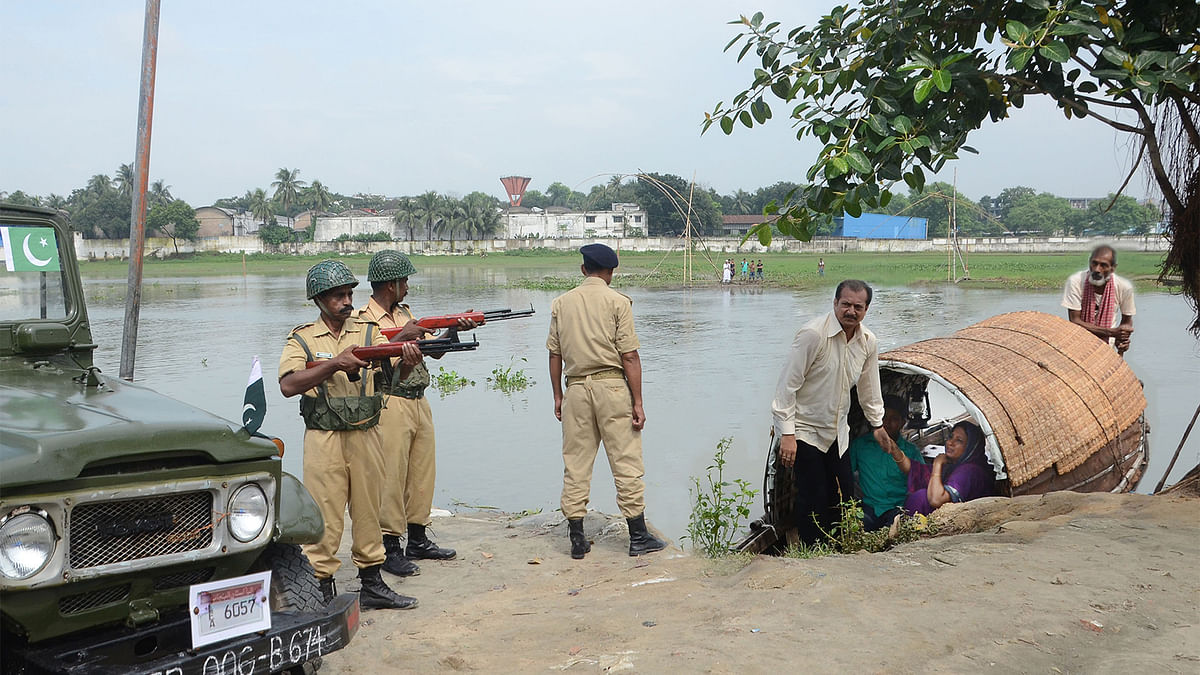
[(343, 458), (592, 341), (406, 423)]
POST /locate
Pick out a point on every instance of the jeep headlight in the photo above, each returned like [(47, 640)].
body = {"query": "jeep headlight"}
[(26, 544), (248, 511)]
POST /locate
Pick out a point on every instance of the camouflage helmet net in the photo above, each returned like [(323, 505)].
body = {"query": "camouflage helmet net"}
[(389, 266), (329, 274)]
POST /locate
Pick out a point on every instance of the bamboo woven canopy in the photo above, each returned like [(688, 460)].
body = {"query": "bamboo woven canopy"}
[(1052, 394)]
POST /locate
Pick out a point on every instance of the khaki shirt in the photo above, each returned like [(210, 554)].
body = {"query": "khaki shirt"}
[(813, 395), (419, 375), (324, 345), (591, 326)]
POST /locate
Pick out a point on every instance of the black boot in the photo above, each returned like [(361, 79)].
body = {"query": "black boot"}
[(375, 594), (640, 539), (328, 588), (397, 563), (420, 548), (580, 546)]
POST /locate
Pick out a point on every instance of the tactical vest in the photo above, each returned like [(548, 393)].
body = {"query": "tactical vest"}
[(341, 413)]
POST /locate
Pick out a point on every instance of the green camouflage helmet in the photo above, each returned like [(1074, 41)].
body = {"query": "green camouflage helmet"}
[(329, 274), (389, 266)]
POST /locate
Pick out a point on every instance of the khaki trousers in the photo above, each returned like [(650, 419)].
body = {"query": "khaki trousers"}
[(345, 468), (410, 468), (595, 411)]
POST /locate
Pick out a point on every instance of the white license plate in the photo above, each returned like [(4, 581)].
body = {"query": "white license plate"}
[(229, 608)]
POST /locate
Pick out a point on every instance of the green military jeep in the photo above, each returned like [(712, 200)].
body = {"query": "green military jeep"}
[(137, 534)]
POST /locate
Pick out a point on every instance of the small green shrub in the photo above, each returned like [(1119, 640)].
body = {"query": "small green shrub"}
[(718, 507), (448, 381), (849, 536), (509, 380)]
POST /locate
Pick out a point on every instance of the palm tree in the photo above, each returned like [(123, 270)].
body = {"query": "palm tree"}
[(427, 206), (56, 201), (406, 216), (99, 184), (318, 196), (124, 180), (743, 202), (451, 213), (287, 186), (481, 217), (159, 193), (260, 206)]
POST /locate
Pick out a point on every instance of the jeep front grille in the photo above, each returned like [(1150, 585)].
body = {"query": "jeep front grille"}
[(102, 533), (185, 578), (82, 602)]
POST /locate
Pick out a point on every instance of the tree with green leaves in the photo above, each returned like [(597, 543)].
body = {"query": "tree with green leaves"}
[(427, 210), (1120, 214), (894, 88), (261, 207), (123, 180), (1039, 214), (670, 202), (450, 218), (287, 186), (481, 215), (99, 184), (176, 220), (406, 216), (317, 196), (159, 193)]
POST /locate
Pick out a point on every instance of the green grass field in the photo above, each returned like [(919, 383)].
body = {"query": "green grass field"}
[(549, 269)]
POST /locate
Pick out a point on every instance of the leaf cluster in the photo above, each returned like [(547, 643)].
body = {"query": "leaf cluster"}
[(449, 381), (892, 88), (508, 379)]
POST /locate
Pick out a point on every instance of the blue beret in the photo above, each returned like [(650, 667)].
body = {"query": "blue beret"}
[(600, 256)]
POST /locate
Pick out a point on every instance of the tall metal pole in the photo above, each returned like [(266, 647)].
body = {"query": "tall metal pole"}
[(141, 176)]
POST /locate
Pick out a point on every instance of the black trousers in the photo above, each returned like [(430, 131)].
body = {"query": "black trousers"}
[(823, 480)]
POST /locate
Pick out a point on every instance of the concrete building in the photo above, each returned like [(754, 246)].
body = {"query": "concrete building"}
[(217, 221), (553, 222)]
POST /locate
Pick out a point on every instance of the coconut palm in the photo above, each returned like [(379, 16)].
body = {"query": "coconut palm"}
[(99, 184), (159, 193), (318, 196), (481, 216), (287, 186), (123, 181), (406, 216), (427, 210), (56, 201), (451, 213), (261, 207)]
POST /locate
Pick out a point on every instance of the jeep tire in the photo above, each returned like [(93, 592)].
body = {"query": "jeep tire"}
[(294, 588)]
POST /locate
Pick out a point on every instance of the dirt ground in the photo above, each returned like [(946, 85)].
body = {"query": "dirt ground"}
[(1061, 583)]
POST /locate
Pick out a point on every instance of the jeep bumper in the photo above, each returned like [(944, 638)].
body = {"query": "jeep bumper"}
[(165, 647)]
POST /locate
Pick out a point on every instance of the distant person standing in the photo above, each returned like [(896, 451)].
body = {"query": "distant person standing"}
[(593, 342), (821, 267), (759, 269), (727, 272), (1094, 296), (746, 270)]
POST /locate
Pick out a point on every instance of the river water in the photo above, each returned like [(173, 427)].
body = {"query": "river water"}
[(710, 356)]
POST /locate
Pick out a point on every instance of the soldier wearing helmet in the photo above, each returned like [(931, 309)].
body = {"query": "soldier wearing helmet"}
[(407, 423), (343, 455)]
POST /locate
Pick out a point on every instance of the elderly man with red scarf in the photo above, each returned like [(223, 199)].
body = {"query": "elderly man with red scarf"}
[(1094, 296)]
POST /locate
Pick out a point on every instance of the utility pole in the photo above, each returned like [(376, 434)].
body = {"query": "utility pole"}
[(141, 176)]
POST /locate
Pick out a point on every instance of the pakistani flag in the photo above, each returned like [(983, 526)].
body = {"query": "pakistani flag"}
[(30, 249), (254, 410)]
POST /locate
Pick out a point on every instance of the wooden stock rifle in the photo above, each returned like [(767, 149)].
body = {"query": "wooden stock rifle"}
[(451, 320), (431, 347)]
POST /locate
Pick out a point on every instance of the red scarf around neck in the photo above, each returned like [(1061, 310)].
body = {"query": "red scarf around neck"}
[(1108, 303)]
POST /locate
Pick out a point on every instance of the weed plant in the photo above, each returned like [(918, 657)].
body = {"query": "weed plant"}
[(449, 381), (718, 507), (510, 379), (849, 536)]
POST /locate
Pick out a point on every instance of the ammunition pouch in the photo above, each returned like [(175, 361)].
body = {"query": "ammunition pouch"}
[(341, 413)]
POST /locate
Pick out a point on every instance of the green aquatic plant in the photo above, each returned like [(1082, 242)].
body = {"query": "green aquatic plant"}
[(848, 535), (449, 381), (509, 379), (718, 507)]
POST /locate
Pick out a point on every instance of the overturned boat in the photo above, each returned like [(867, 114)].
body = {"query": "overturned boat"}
[(1059, 408)]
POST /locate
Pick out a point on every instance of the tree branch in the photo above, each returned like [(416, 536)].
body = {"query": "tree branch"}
[(1188, 123), (1156, 164), (1101, 101)]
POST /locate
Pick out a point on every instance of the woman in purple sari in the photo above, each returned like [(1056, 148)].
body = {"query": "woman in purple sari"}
[(959, 475)]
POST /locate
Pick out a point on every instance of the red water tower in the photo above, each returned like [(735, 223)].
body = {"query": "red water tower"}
[(515, 186)]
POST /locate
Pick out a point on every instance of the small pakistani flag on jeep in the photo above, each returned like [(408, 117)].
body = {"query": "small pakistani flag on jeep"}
[(30, 249), (254, 410)]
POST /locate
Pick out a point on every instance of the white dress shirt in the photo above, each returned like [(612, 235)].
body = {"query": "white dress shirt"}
[(813, 395)]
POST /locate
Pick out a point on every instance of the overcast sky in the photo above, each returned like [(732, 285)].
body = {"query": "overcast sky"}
[(398, 98)]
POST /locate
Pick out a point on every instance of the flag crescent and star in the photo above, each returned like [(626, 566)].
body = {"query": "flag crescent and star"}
[(254, 407), (30, 249)]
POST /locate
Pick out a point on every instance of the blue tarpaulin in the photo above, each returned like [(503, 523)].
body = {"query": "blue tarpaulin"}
[(880, 226)]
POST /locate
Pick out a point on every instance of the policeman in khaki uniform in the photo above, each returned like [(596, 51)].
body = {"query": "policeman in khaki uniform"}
[(343, 458), (406, 422), (592, 341)]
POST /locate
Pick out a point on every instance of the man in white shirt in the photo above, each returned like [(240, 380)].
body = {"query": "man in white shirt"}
[(829, 355), (1094, 296)]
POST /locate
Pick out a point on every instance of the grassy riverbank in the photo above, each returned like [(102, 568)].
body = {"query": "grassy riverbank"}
[(549, 269)]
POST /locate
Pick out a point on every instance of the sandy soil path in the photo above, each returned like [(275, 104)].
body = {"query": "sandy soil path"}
[(1062, 583)]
